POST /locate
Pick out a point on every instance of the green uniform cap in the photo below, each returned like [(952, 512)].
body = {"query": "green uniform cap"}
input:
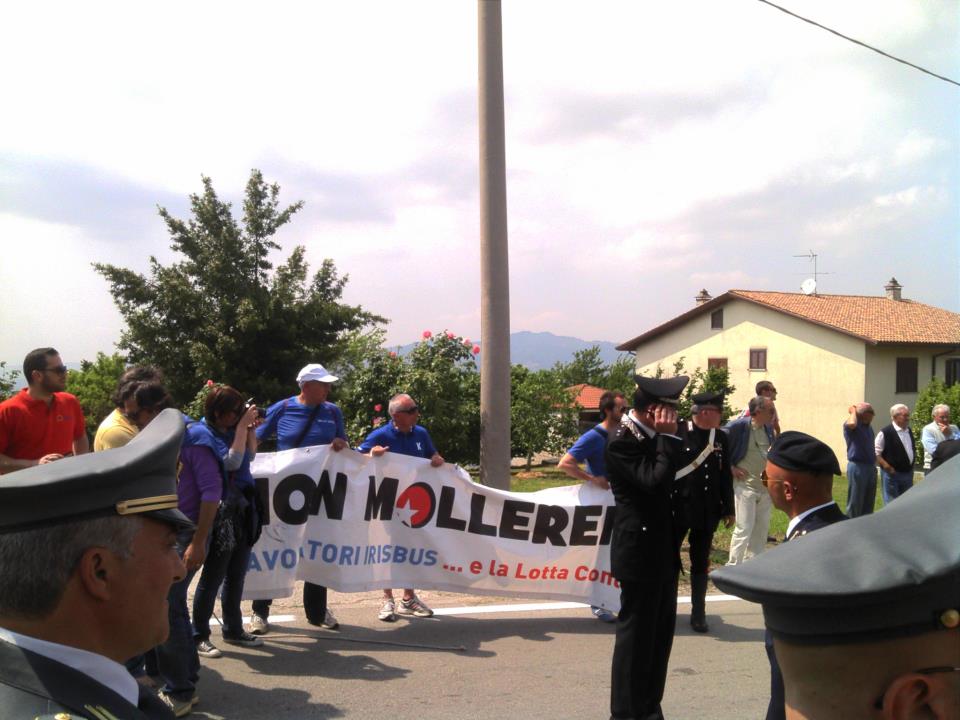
[(139, 478)]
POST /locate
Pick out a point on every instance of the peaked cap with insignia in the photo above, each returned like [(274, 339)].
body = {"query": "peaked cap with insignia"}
[(664, 391), (890, 574), (713, 399), (139, 478)]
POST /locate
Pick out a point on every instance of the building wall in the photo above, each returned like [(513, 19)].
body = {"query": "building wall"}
[(881, 377), (818, 372)]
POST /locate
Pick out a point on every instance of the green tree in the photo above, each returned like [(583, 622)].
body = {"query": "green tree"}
[(8, 381), (94, 385), (542, 418), (620, 374), (586, 367), (222, 312)]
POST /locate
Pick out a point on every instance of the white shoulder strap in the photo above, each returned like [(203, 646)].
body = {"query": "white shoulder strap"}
[(701, 458)]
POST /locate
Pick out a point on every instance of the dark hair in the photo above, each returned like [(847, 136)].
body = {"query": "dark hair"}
[(221, 400), (131, 379), (36, 360), (641, 400), (765, 385), (608, 401), (151, 396)]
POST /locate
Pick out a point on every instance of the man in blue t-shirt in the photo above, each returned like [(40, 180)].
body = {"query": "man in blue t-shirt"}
[(402, 435), (304, 420), (589, 449)]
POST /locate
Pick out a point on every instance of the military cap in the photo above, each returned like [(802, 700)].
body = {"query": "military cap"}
[(891, 574), (139, 478), (664, 391), (803, 453), (713, 399)]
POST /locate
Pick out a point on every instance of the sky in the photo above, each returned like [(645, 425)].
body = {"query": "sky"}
[(652, 149)]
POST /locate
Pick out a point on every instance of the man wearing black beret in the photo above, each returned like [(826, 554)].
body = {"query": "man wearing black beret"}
[(643, 456), (702, 494), (799, 479), (87, 555), (865, 614)]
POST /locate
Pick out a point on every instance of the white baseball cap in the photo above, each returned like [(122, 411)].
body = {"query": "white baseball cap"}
[(315, 371)]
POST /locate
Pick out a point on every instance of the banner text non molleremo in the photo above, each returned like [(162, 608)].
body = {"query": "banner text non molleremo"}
[(352, 523)]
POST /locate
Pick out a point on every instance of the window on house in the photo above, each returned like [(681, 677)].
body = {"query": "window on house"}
[(952, 371), (758, 359), (907, 375), (716, 319), (716, 363)]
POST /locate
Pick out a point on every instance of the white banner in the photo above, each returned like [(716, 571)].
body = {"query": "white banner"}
[(352, 523)]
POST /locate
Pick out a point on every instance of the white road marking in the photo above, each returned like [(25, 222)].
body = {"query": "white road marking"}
[(518, 607)]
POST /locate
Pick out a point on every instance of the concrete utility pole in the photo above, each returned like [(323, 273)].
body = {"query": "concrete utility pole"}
[(494, 266)]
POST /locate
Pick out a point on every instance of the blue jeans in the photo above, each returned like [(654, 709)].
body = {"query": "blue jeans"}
[(228, 569), (177, 660), (861, 488), (895, 484)]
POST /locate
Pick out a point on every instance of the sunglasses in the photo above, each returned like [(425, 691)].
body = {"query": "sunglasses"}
[(410, 411), (59, 369)]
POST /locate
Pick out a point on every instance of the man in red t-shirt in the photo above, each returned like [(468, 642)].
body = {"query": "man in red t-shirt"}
[(41, 423)]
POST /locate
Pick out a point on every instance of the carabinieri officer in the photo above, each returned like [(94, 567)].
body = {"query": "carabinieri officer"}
[(643, 457), (88, 551)]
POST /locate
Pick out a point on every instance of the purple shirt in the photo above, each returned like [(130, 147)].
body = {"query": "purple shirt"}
[(199, 481), (860, 444)]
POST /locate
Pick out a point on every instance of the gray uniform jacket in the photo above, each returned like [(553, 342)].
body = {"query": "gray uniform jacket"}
[(34, 686)]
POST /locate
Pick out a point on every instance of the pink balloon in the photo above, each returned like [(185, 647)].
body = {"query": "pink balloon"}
[(427, 334), (476, 349)]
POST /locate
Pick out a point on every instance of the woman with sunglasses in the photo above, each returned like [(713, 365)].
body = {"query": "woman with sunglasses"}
[(228, 431)]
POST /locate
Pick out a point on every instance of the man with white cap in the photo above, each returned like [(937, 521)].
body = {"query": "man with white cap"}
[(304, 420)]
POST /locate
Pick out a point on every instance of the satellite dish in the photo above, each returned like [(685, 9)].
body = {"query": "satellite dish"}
[(808, 286)]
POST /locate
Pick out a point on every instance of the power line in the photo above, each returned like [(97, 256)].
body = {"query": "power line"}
[(862, 44)]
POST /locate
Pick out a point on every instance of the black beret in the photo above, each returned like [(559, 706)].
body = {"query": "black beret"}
[(661, 390), (139, 478), (714, 399), (890, 574), (803, 453)]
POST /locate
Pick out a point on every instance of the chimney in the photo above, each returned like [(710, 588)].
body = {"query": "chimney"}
[(703, 297), (893, 289)]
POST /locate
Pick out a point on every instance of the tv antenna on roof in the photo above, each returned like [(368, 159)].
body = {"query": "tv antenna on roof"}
[(809, 286)]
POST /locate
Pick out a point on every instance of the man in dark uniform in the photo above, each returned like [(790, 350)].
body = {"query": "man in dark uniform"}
[(799, 478), (702, 494), (643, 456), (864, 626), (88, 551)]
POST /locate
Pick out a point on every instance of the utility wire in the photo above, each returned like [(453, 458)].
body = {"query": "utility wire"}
[(862, 44)]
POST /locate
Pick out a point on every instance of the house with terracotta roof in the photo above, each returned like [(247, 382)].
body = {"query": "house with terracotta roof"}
[(587, 399), (823, 352)]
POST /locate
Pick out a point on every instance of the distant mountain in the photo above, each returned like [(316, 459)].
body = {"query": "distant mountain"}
[(539, 351)]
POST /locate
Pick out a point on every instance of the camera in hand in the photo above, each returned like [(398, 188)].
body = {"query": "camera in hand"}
[(261, 412)]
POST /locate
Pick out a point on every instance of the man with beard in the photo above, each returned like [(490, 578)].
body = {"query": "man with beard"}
[(41, 423)]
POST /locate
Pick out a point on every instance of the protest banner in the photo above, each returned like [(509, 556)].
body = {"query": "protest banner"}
[(351, 523)]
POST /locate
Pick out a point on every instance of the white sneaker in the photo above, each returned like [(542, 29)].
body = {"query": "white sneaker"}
[(388, 612), (330, 621), (414, 606), (259, 625)]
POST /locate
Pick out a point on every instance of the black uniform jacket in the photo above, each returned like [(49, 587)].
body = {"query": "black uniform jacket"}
[(641, 472), (816, 520), (32, 686), (705, 495)]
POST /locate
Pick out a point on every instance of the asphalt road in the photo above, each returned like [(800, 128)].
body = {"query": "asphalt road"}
[(525, 664)]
